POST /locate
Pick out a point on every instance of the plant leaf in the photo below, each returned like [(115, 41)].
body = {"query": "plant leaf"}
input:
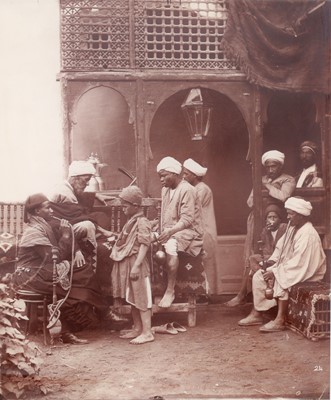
[(19, 305), (26, 367), (14, 349), (5, 321), (5, 304)]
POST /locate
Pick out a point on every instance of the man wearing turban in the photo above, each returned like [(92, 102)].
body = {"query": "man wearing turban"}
[(298, 257), (180, 224), (310, 176), (72, 202), (194, 173), (279, 187)]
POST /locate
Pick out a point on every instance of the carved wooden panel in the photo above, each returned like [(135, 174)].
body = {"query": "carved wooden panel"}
[(117, 34)]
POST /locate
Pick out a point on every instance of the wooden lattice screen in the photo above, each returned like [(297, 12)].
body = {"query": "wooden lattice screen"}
[(12, 215), (121, 34), (11, 218)]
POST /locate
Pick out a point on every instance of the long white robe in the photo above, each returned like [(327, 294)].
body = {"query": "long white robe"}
[(309, 178), (205, 196), (298, 257)]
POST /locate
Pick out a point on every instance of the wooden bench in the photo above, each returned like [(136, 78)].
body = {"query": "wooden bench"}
[(12, 225), (186, 295)]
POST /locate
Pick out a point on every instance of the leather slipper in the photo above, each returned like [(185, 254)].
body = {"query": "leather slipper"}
[(250, 321), (178, 327), (269, 327), (166, 328)]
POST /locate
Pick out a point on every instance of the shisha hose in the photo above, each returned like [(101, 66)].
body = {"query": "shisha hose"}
[(54, 325)]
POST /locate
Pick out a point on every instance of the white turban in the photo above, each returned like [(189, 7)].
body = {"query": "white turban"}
[(77, 168), (194, 167), (273, 155), (298, 205), (169, 164)]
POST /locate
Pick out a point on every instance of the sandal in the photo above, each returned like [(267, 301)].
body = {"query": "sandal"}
[(178, 327), (166, 328)]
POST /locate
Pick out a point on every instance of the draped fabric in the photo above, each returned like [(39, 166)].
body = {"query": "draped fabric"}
[(35, 272), (135, 232), (38, 233), (281, 44)]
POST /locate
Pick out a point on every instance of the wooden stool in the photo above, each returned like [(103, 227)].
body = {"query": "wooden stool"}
[(32, 300), (190, 283)]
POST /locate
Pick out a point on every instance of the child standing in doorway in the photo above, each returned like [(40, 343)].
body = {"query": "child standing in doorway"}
[(131, 272)]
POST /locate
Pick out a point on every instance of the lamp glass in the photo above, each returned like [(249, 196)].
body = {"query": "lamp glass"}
[(197, 111)]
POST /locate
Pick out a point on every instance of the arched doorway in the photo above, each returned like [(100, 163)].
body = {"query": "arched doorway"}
[(223, 151), (101, 125)]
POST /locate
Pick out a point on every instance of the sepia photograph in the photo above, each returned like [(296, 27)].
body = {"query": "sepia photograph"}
[(165, 211)]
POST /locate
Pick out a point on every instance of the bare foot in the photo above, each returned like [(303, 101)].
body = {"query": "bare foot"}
[(236, 301), (130, 334), (167, 300), (143, 338)]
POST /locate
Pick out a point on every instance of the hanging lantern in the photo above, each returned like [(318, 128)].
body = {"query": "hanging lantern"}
[(197, 110)]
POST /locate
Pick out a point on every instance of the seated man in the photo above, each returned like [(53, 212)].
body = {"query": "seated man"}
[(181, 229), (310, 176), (71, 202), (278, 187), (38, 245), (298, 257), (274, 229)]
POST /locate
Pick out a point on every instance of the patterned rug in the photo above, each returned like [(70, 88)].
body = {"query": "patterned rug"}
[(190, 276), (8, 251)]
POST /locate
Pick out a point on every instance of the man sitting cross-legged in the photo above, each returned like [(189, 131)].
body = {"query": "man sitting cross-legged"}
[(71, 201)]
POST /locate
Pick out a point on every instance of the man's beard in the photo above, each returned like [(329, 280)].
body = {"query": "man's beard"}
[(79, 189)]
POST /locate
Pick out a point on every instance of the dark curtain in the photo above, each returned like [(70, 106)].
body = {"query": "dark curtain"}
[(281, 44)]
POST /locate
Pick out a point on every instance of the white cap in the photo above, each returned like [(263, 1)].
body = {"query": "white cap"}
[(77, 168), (298, 205), (194, 167), (273, 155), (169, 164)]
